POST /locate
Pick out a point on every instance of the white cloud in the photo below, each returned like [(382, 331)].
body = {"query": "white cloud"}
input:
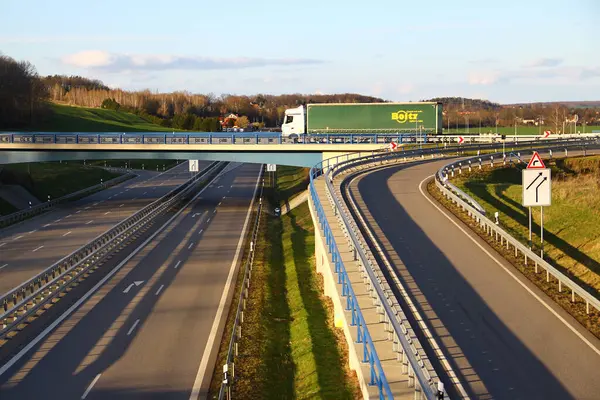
[(90, 59), (483, 78), (545, 62), (113, 62)]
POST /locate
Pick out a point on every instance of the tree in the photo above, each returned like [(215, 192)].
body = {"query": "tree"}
[(558, 117), (22, 93), (242, 122)]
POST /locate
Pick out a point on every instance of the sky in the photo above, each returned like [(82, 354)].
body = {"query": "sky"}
[(504, 51)]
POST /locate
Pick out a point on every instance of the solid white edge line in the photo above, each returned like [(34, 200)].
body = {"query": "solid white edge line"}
[(93, 290), (213, 330), (159, 290), (137, 321), (89, 389), (509, 272)]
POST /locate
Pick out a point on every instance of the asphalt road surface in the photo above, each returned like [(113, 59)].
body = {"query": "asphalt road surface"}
[(149, 332), (30, 247), (504, 341)]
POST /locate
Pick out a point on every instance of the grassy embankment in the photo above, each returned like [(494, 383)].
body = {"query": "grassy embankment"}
[(289, 347), (571, 234), (6, 208), (53, 178), (63, 118)]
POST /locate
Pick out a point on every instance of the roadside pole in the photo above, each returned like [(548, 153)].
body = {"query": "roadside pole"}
[(542, 231), (529, 228)]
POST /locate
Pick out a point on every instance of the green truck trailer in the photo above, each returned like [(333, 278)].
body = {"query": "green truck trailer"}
[(422, 117)]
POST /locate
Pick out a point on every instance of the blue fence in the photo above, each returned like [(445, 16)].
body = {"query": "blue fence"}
[(377, 376), (202, 138)]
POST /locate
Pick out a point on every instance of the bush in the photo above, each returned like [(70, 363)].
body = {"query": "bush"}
[(110, 104)]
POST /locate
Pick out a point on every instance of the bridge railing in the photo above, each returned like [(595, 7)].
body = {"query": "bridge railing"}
[(248, 138), (500, 235), (331, 167)]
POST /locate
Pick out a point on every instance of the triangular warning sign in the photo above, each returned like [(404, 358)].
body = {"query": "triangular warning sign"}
[(536, 162)]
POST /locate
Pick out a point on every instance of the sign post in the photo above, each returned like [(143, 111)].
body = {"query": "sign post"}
[(272, 168), (537, 191)]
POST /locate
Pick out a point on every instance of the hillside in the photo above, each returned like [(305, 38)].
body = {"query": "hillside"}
[(63, 118)]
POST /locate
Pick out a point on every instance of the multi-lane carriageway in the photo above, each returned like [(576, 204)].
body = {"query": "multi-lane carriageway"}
[(147, 330)]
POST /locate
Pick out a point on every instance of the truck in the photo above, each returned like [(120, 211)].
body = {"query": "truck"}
[(379, 118)]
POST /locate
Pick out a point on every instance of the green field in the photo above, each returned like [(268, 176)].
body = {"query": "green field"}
[(572, 236), (63, 118), (510, 130), (53, 178)]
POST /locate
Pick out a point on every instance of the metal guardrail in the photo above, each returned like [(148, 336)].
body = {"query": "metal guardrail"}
[(370, 356), (505, 239), (25, 299), (236, 330), (43, 207), (337, 165)]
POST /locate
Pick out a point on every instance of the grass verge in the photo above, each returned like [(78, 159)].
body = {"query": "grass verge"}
[(571, 234), (289, 346), (52, 178), (577, 309)]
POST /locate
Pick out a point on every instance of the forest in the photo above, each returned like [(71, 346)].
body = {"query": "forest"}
[(24, 95)]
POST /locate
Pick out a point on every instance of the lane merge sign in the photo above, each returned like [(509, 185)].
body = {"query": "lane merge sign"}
[(271, 167), (193, 165), (537, 183), (536, 162)]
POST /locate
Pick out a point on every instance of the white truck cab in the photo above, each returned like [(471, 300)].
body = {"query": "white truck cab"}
[(294, 123)]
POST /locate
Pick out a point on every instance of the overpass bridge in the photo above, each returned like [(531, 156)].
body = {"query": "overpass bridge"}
[(259, 147)]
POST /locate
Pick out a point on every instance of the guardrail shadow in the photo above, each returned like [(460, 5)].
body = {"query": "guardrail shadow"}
[(490, 360), (99, 333)]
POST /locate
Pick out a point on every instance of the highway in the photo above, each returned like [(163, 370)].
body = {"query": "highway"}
[(29, 247), (152, 327), (504, 337)]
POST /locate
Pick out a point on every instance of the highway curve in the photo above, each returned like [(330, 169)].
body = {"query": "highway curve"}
[(505, 338), (149, 331)]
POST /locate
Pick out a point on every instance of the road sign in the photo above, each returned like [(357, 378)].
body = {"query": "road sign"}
[(393, 146), (461, 139), (537, 187), (193, 165), (271, 167), (547, 133), (536, 162)]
